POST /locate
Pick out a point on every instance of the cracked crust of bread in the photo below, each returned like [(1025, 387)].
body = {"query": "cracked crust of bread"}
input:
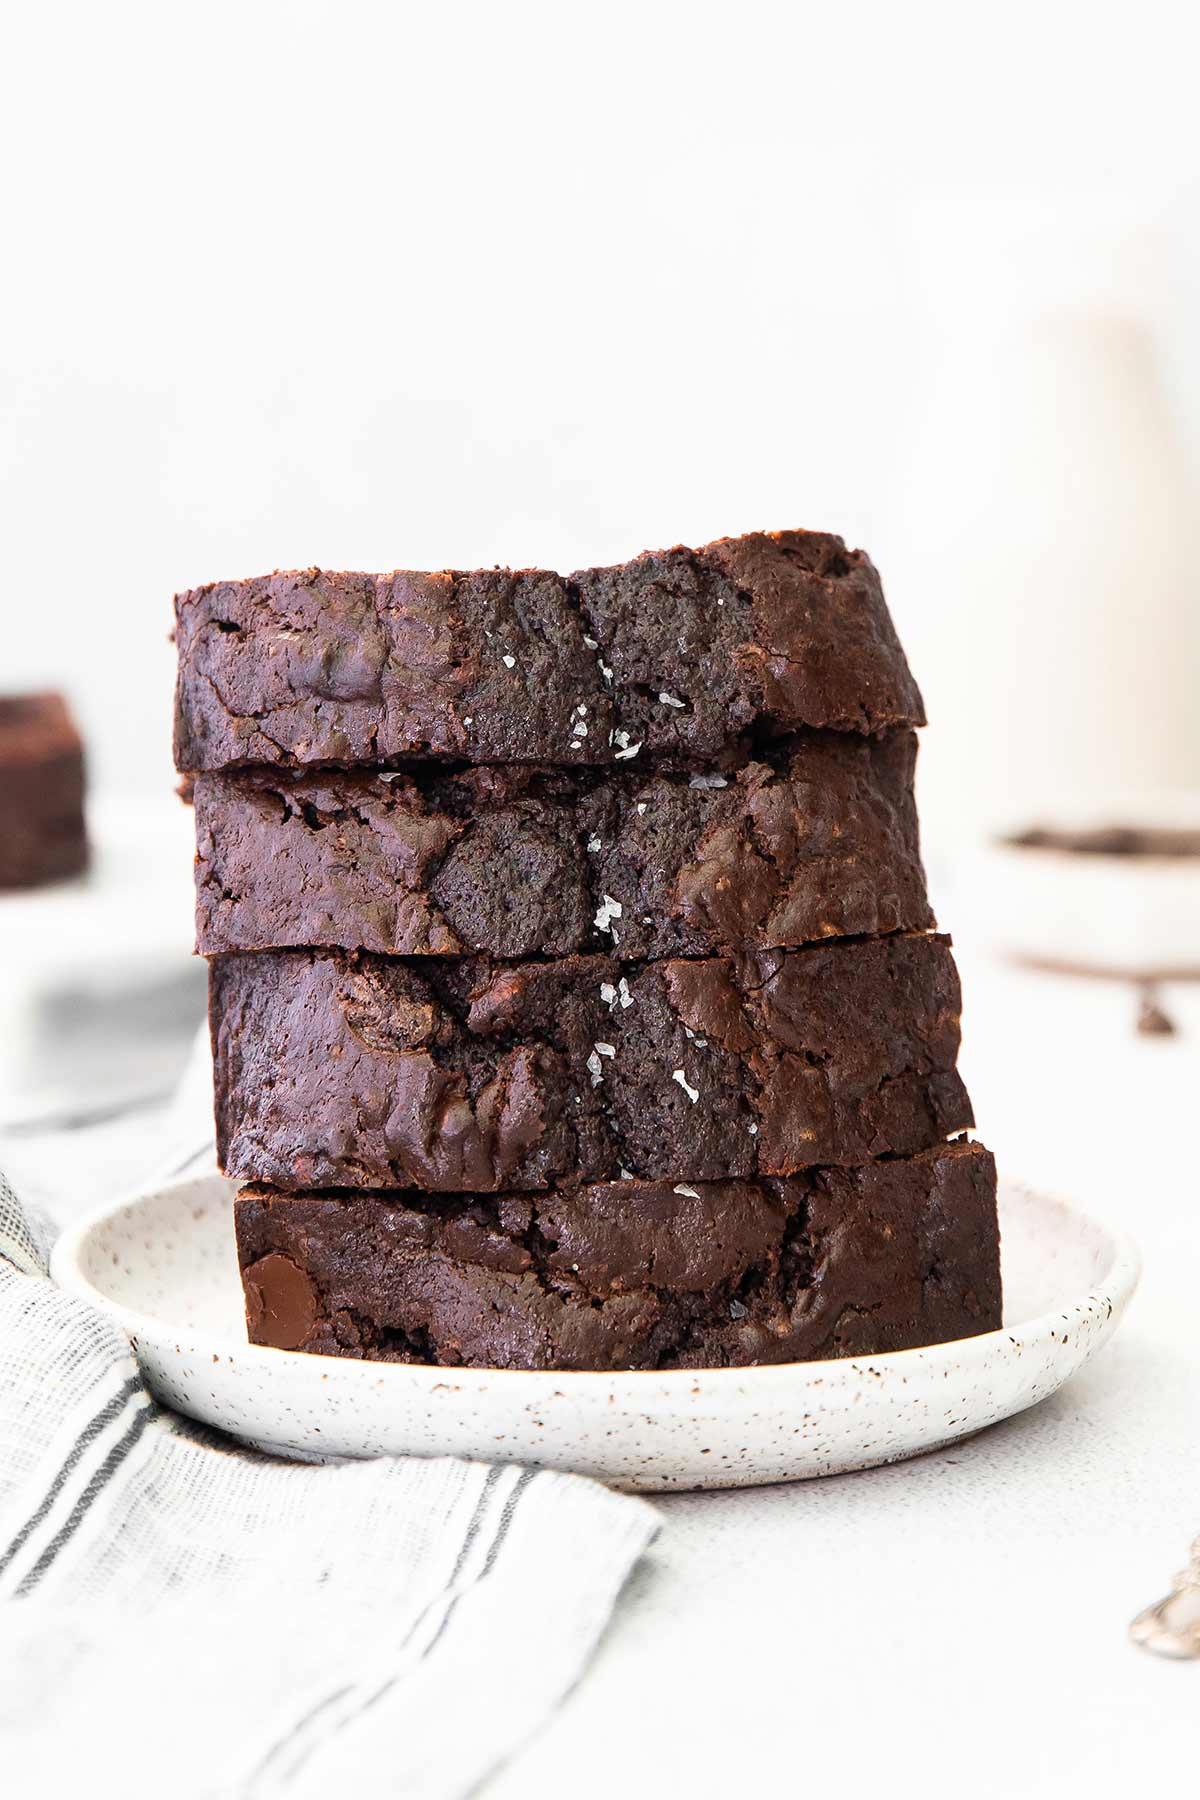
[(472, 1074), (818, 841), (675, 652), (831, 1262)]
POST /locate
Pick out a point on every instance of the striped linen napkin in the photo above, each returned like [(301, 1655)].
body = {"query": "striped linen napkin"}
[(180, 1616)]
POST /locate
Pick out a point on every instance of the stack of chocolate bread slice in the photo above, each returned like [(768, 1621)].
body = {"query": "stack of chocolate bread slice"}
[(575, 998)]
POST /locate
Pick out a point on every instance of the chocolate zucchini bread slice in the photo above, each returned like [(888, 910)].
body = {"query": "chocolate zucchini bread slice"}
[(472, 1075), (678, 652), (817, 839), (656, 1275), (42, 831)]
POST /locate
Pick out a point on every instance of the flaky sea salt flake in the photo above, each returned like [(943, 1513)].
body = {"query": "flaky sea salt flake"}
[(608, 910), (692, 1093)]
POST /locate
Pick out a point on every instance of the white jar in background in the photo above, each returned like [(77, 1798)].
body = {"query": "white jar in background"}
[(1040, 552)]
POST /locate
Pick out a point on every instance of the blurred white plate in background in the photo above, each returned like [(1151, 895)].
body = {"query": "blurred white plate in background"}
[(1091, 911), (99, 991), (164, 1267)]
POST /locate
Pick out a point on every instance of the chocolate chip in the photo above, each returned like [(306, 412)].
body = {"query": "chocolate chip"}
[(1152, 1020)]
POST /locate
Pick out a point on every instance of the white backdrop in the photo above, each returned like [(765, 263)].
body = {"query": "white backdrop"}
[(368, 284)]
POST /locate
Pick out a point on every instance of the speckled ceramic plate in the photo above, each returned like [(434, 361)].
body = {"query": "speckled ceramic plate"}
[(164, 1266)]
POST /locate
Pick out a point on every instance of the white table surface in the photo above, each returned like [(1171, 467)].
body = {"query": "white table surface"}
[(954, 1625)]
